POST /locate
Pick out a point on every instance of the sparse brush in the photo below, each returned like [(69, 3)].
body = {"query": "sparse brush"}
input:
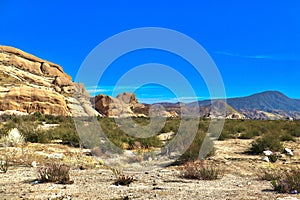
[(269, 175), (267, 142), (201, 171), (121, 178), (287, 182), (55, 172), (124, 180), (13, 138)]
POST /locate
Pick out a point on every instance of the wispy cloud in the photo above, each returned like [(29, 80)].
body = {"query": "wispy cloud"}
[(260, 56), (145, 94)]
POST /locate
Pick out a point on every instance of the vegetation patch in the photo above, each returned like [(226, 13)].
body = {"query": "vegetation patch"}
[(200, 171), (55, 172), (285, 181), (121, 179), (266, 142)]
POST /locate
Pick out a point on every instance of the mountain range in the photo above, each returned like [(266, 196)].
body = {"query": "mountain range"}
[(264, 105), (29, 84)]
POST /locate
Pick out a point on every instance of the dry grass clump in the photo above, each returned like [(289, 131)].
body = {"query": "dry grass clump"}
[(55, 172), (121, 178), (200, 171)]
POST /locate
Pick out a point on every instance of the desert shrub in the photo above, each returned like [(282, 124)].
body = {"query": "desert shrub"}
[(266, 142), (124, 180), (287, 137), (249, 134), (13, 138), (269, 175), (65, 132), (200, 171), (292, 128), (116, 135), (239, 128), (231, 128), (273, 158), (226, 134), (287, 182), (121, 178), (4, 130), (171, 125), (54, 172), (192, 153)]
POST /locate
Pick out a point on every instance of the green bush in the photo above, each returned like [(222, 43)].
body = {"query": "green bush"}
[(266, 142), (287, 137), (249, 134)]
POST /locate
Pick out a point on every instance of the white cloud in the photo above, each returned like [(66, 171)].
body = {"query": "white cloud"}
[(271, 57)]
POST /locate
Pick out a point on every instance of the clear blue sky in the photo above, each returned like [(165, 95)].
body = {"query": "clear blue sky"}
[(255, 44)]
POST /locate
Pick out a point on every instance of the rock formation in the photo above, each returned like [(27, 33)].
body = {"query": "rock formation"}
[(29, 84), (124, 105), (127, 105)]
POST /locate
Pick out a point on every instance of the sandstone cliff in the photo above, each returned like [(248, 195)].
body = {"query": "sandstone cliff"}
[(29, 84)]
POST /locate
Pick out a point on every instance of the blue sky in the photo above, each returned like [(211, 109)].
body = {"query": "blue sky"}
[(255, 44)]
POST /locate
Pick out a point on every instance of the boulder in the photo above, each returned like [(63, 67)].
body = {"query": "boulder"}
[(266, 159), (267, 153), (288, 151)]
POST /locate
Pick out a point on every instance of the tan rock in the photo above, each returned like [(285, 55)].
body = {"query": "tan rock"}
[(29, 100), (128, 98), (29, 84), (125, 105)]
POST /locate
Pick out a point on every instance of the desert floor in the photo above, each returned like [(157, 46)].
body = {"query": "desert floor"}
[(95, 181)]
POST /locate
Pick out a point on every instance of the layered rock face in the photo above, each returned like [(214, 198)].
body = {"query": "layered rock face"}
[(29, 84)]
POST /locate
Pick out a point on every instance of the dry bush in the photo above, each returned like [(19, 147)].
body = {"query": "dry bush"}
[(55, 172), (124, 180), (287, 182), (13, 138), (269, 175), (200, 171), (121, 178)]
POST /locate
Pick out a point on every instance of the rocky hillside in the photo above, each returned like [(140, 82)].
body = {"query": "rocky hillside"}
[(205, 110), (266, 101), (125, 105), (267, 105), (270, 105), (29, 84)]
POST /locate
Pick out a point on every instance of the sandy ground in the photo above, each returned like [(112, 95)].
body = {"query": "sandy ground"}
[(240, 180)]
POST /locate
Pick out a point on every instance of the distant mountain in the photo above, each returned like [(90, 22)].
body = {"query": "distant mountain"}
[(266, 101), (264, 105)]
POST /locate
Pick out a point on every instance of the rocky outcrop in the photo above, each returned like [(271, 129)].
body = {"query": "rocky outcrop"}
[(123, 105), (127, 105), (29, 84)]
